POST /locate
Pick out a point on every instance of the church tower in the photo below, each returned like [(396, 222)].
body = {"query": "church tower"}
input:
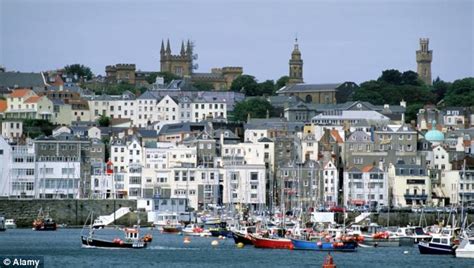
[(296, 66), (424, 56), (180, 64)]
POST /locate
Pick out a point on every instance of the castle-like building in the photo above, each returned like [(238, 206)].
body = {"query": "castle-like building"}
[(424, 56), (182, 65)]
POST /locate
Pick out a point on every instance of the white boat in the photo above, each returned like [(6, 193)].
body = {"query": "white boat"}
[(167, 221), (466, 248), (98, 224), (10, 224), (195, 230), (416, 233)]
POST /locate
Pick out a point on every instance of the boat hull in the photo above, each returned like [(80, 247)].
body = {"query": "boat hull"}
[(240, 238), (465, 254), (436, 249), (171, 229), (278, 243), (99, 243), (45, 227), (323, 246), (381, 242), (217, 233)]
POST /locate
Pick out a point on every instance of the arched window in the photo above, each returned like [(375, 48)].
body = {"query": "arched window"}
[(309, 98)]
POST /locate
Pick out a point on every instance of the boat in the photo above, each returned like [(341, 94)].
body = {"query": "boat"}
[(466, 248), (168, 222), (438, 245), (10, 224), (195, 230), (132, 239), (44, 222), (98, 224), (345, 246), (242, 235), (2, 224), (274, 243), (220, 230)]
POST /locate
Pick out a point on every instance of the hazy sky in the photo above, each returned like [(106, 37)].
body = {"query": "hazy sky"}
[(339, 40)]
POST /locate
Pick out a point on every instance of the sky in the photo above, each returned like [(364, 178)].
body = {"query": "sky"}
[(339, 40)]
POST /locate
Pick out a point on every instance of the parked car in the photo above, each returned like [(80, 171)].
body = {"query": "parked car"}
[(336, 209)]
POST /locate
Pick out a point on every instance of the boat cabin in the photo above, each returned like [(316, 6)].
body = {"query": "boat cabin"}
[(131, 234)]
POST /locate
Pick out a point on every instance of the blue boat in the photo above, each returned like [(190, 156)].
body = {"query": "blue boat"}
[(349, 246)]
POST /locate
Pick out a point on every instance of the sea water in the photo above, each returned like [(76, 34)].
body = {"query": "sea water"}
[(62, 248)]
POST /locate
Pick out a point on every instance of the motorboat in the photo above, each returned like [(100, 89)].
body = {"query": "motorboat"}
[(260, 241), (346, 246), (195, 230), (44, 222), (439, 244), (10, 224), (168, 222), (132, 240), (242, 235), (466, 248)]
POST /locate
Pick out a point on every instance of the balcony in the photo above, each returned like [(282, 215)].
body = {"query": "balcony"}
[(415, 197)]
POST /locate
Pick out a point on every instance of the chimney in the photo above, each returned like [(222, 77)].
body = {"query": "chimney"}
[(268, 114), (403, 103)]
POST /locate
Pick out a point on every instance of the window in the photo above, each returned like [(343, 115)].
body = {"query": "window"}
[(254, 176), (176, 176)]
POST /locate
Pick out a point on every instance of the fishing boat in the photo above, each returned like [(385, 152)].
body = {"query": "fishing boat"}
[(242, 235), (439, 244), (10, 224), (220, 229), (195, 230), (345, 246), (274, 243), (132, 239), (168, 222), (44, 222)]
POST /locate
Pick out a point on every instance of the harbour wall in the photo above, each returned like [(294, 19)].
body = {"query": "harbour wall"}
[(70, 212)]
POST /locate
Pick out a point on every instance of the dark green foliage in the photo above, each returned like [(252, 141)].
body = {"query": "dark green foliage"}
[(266, 88), (281, 82), (440, 88), (257, 107), (460, 93), (392, 87), (246, 84), (203, 86), (36, 127), (104, 121), (80, 70)]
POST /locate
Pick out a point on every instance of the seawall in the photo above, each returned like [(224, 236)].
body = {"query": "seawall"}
[(70, 212)]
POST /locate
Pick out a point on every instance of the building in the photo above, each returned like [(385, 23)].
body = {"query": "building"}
[(182, 66), (366, 186), (424, 56), (410, 185), (296, 66), (120, 73), (12, 130)]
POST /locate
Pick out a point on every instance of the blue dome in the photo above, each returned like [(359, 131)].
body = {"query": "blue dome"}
[(433, 134)]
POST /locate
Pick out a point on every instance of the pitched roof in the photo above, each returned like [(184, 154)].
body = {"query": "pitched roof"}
[(17, 79), (19, 93), (3, 105), (308, 88), (33, 99)]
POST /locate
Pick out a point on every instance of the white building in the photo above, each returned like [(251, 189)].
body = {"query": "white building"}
[(409, 185), (330, 182), (365, 186)]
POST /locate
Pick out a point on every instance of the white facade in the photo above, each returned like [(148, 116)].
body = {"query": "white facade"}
[(331, 181), (12, 130), (365, 187)]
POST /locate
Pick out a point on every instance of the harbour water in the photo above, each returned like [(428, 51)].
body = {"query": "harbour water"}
[(62, 248)]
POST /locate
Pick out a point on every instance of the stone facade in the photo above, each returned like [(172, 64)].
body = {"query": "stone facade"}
[(424, 56), (120, 73)]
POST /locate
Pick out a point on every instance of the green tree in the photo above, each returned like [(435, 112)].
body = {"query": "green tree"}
[(266, 88), (410, 78), (203, 86), (256, 107), (440, 88), (80, 71), (391, 76), (246, 84), (281, 82), (104, 121), (460, 93)]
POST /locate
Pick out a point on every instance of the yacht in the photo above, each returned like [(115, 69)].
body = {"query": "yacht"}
[(466, 248), (414, 232), (10, 224)]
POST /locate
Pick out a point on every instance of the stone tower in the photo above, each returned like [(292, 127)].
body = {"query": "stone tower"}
[(180, 65), (296, 66), (424, 56)]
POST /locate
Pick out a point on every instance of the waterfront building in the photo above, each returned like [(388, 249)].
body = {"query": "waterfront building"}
[(366, 186), (410, 185)]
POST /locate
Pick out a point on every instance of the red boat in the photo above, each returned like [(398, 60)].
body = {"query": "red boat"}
[(275, 243)]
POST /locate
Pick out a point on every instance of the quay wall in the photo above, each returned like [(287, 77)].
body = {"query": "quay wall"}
[(71, 212), (411, 218)]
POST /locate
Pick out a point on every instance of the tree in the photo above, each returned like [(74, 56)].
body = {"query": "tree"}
[(104, 121), (203, 86), (245, 83), (281, 82), (460, 93), (266, 88), (410, 78), (391, 76), (80, 71), (440, 88), (256, 107)]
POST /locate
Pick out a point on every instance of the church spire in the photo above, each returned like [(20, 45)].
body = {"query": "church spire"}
[(162, 50), (168, 49), (182, 48), (296, 66)]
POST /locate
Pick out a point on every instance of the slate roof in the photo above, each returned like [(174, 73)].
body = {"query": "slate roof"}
[(308, 88), (180, 127), (17, 79)]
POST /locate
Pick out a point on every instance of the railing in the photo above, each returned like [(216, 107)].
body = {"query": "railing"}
[(416, 196)]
